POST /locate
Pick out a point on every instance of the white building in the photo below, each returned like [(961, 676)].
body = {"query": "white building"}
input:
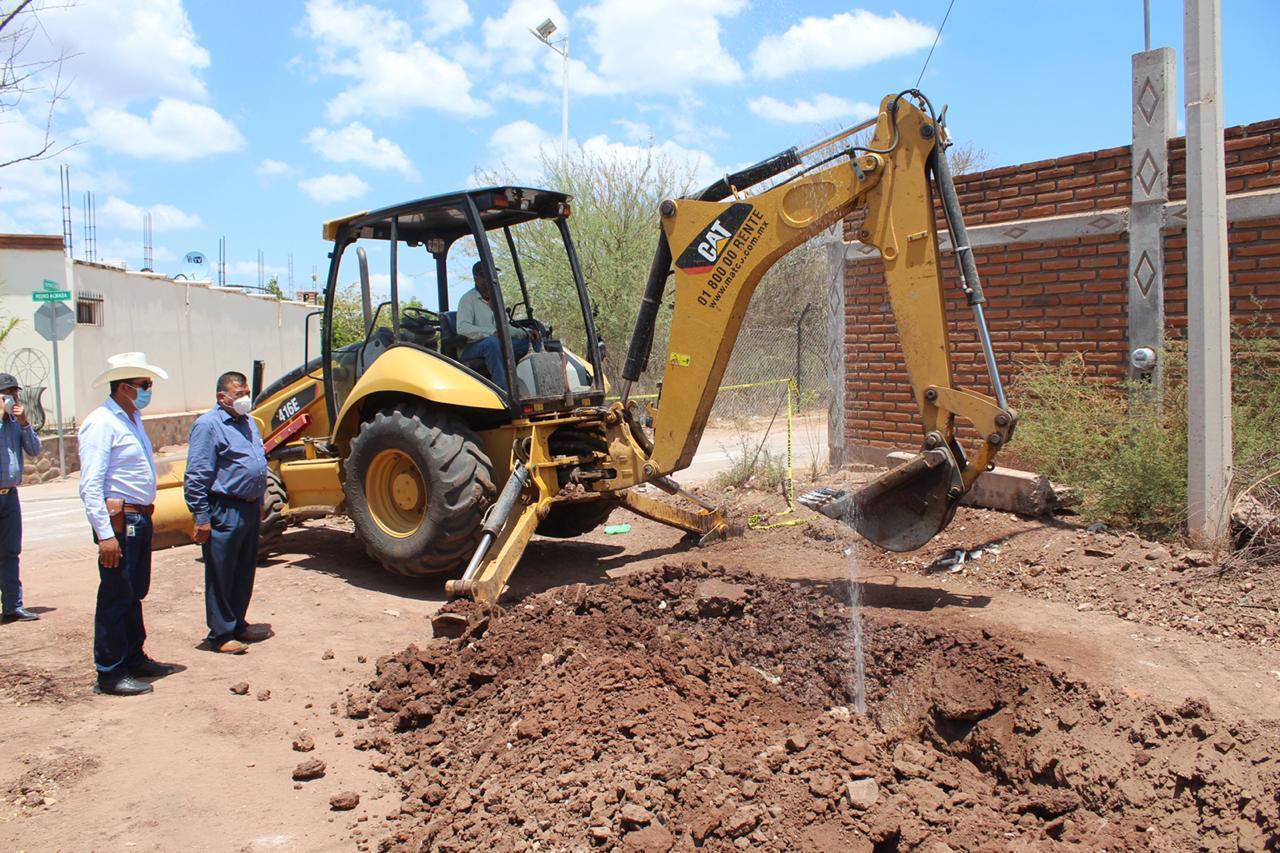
[(193, 330)]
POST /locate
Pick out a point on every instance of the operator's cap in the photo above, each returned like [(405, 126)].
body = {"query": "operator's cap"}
[(8, 380)]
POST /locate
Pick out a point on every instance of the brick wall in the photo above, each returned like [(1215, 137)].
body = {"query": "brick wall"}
[(1054, 298)]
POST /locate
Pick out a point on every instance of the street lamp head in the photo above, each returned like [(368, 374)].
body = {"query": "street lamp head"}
[(545, 29)]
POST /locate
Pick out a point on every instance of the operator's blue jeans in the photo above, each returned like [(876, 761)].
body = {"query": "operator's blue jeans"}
[(10, 548), (490, 349)]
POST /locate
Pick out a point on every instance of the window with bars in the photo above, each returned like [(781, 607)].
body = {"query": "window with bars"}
[(88, 308)]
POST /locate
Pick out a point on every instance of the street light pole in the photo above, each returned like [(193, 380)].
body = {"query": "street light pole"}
[(543, 34)]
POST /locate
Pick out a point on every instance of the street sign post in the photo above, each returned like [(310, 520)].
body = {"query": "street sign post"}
[(54, 322), (50, 295)]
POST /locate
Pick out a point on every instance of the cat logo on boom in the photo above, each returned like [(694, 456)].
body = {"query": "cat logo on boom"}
[(700, 257)]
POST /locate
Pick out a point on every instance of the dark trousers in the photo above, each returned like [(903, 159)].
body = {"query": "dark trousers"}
[(10, 548), (118, 632), (230, 562)]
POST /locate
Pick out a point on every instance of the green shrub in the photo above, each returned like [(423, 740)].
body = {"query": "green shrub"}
[(1125, 452), (753, 467)]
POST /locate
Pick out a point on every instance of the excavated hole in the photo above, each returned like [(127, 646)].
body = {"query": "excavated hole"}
[(697, 707)]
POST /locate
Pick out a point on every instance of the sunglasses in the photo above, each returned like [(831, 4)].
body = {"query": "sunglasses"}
[(144, 385)]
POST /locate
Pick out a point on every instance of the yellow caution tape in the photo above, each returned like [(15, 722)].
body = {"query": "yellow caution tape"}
[(757, 522)]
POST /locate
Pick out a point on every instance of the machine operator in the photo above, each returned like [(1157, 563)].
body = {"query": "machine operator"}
[(477, 323)]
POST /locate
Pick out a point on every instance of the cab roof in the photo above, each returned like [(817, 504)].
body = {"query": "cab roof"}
[(444, 216)]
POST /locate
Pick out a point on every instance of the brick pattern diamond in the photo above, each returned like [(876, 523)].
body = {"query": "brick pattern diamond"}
[(1144, 274), (1148, 172), (1148, 100)]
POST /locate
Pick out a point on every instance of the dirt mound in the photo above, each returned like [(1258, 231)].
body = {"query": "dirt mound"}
[(695, 707), (23, 685)]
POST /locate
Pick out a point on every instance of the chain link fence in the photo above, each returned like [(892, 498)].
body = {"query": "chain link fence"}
[(765, 356)]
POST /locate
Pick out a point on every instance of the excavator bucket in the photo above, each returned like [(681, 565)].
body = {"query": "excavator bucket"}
[(903, 508)]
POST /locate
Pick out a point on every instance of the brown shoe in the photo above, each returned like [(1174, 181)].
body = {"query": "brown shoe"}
[(230, 647), (255, 633)]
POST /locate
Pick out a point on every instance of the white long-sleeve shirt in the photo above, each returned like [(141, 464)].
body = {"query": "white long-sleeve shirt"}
[(475, 318), (115, 462)]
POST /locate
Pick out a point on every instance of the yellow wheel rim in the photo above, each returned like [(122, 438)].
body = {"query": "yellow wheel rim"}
[(396, 493)]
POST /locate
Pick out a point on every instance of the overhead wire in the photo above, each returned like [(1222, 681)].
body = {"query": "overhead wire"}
[(936, 36)]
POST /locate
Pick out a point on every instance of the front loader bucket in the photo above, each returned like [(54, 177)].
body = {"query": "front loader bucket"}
[(903, 508)]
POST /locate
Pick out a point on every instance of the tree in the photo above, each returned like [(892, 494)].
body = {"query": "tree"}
[(348, 316), (615, 229), (273, 287), (23, 76), (966, 158)]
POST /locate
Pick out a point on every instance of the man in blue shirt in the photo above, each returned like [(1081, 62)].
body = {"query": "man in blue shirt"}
[(16, 437), (224, 484), (118, 487)]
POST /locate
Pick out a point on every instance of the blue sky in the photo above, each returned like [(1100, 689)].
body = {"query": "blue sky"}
[(258, 120)]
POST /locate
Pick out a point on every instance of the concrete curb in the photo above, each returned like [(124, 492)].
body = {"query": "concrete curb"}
[(1005, 489)]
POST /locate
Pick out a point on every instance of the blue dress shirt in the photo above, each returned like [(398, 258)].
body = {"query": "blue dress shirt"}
[(14, 440), (224, 457), (115, 462)]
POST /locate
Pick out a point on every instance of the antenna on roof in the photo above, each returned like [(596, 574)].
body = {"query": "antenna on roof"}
[(65, 174), (148, 254)]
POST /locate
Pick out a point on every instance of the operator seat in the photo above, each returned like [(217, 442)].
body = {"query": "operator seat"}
[(379, 342), (452, 344)]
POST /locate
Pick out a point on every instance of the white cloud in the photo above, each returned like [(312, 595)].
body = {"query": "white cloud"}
[(246, 272), (355, 143), (175, 130), (164, 217), (844, 41), (817, 110), (123, 51), (444, 16), (519, 92), (269, 168), (518, 148), (667, 46), (334, 188), (391, 72)]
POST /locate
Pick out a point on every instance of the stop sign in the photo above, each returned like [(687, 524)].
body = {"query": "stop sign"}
[(54, 321)]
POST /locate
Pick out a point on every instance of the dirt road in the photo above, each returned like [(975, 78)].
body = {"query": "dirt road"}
[(196, 767)]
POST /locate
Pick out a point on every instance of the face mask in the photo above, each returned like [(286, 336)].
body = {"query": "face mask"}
[(243, 405), (143, 398)]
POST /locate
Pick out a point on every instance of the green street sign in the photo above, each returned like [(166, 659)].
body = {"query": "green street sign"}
[(51, 285), (50, 295)]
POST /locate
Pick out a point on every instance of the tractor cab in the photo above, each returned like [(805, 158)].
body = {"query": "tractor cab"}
[(455, 278)]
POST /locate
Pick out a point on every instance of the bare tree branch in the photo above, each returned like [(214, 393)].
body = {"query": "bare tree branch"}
[(21, 77)]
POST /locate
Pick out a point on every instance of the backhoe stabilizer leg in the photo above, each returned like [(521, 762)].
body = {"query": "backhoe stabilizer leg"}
[(710, 524), (486, 584), (903, 508)]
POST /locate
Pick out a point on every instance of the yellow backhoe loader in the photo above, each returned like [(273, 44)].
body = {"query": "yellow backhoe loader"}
[(441, 468)]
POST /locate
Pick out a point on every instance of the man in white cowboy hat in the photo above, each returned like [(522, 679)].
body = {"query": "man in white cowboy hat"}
[(16, 437), (118, 487)]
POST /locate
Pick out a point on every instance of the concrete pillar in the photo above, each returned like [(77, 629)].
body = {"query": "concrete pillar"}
[(836, 366), (1208, 303), (1154, 123)]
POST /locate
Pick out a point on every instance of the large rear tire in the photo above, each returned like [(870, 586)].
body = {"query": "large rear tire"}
[(569, 519), (271, 531), (417, 485)]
